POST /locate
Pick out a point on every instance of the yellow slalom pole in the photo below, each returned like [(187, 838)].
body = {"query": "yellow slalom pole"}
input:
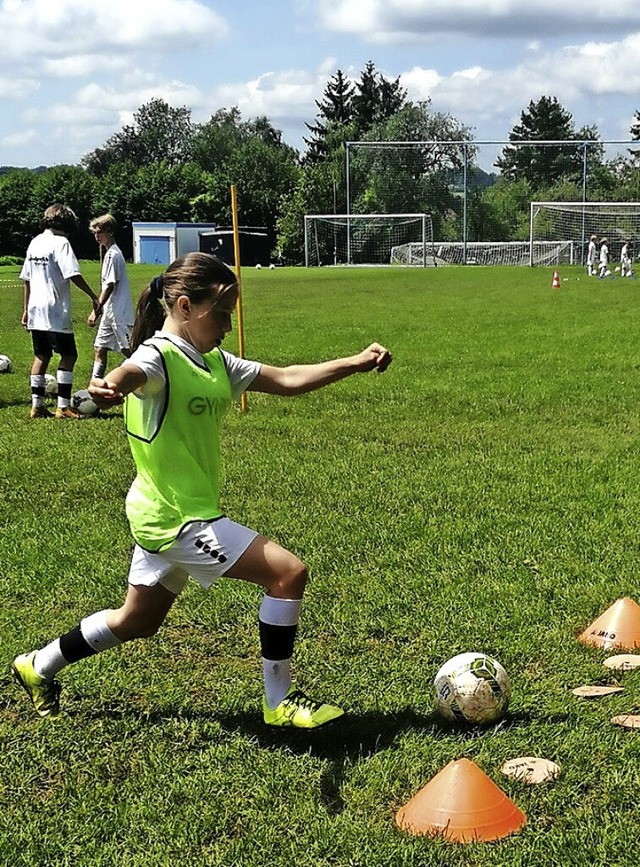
[(236, 258)]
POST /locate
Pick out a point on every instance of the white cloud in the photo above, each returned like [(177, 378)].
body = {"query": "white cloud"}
[(572, 74), (385, 21), (35, 31), (16, 88), (274, 94), (19, 139)]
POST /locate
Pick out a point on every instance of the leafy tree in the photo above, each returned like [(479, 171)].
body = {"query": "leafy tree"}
[(542, 165), (404, 179), (159, 133), (216, 141), (72, 186), (17, 215), (501, 213), (312, 194), (250, 155)]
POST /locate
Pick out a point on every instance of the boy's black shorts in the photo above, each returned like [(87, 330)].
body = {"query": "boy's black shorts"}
[(45, 343)]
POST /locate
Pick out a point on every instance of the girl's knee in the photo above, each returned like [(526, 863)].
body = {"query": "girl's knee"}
[(291, 581)]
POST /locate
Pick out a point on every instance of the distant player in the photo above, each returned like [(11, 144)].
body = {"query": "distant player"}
[(49, 265), (603, 264), (591, 256), (116, 324), (625, 261)]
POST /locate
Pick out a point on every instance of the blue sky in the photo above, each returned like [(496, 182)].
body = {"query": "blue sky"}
[(73, 72)]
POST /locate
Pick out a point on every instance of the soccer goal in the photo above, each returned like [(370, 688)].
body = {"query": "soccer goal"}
[(578, 221), (487, 253), (364, 239)]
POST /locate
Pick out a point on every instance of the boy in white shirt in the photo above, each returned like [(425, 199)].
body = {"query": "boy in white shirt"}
[(603, 264), (591, 257), (625, 261), (49, 265), (115, 327)]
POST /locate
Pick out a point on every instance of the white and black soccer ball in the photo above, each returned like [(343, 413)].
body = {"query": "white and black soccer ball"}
[(6, 365), (50, 385), (83, 403), (258, 266), (472, 688)]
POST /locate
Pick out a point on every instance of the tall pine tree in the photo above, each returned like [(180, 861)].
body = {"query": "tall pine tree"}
[(335, 111)]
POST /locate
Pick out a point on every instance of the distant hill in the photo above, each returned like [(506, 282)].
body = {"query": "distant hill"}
[(4, 170)]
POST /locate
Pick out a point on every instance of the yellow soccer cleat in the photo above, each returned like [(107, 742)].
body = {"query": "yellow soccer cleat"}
[(45, 694), (296, 710)]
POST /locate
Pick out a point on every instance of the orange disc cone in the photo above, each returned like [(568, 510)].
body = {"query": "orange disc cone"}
[(619, 626), (462, 804), (556, 280)]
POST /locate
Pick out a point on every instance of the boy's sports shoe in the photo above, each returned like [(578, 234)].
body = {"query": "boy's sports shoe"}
[(297, 710), (40, 412), (67, 412), (45, 694)]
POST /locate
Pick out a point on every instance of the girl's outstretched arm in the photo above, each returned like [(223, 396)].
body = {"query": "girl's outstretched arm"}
[(112, 390), (301, 378)]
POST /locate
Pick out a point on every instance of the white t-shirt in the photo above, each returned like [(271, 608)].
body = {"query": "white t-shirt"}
[(119, 305), (49, 264), (241, 371), (604, 255)]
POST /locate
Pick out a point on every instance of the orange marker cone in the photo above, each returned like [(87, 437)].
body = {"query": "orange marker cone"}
[(462, 804), (556, 280), (619, 626)]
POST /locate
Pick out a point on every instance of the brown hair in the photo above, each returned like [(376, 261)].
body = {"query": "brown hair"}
[(59, 217), (199, 276)]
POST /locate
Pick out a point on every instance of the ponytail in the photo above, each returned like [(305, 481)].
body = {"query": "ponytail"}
[(150, 313)]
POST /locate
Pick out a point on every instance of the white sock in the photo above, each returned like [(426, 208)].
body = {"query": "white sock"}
[(99, 368), (64, 377), (96, 632), (48, 661), (37, 381), (277, 680), (277, 672)]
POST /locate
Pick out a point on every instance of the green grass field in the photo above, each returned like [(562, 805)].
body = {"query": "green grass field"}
[(482, 494)]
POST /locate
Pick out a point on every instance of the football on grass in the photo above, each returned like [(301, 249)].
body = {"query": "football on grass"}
[(50, 385), (5, 364), (83, 403), (472, 688)]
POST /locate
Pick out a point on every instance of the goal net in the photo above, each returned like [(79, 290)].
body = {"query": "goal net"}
[(486, 253), (578, 221), (365, 239)]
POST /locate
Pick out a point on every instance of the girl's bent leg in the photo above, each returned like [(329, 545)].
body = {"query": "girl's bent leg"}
[(142, 613), (284, 577), (266, 563)]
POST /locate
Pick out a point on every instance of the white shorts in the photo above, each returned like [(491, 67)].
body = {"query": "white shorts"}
[(111, 334), (206, 550)]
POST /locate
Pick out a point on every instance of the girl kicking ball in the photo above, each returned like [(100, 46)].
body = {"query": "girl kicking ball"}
[(176, 387)]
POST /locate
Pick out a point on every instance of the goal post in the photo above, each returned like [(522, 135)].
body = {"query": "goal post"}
[(364, 239), (576, 222)]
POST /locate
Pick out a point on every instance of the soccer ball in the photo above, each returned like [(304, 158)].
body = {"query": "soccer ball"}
[(272, 267), (258, 266), (83, 403), (50, 385), (6, 365), (472, 687)]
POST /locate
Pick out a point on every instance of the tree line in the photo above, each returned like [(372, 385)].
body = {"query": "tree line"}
[(166, 167)]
